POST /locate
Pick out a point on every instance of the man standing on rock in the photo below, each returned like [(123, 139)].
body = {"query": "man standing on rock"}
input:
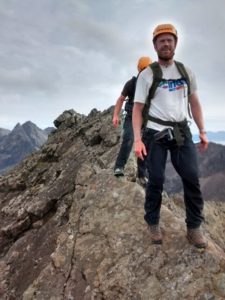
[(127, 95), (167, 129)]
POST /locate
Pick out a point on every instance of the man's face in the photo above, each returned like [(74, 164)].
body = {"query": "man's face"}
[(165, 45)]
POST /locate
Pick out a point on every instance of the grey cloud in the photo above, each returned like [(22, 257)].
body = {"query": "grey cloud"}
[(78, 54)]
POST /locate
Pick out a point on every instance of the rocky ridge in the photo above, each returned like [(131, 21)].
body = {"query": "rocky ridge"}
[(71, 230)]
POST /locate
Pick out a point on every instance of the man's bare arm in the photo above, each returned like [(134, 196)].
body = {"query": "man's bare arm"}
[(117, 109), (197, 114), (139, 147)]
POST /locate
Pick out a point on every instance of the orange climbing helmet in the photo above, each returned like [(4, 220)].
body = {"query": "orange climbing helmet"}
[(164, 28), (143, 62)]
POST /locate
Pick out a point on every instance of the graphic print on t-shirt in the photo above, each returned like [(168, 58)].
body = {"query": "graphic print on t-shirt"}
[(173, 84)]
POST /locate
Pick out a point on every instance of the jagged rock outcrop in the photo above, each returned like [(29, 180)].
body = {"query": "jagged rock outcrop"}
[(71, 230), (67, 119)]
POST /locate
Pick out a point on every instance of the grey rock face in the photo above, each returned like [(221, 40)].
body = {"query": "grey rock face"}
[(4, 132), (67, 119), (71, 230)]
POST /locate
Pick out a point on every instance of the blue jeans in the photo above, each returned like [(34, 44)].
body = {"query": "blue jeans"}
[(126, 147), (184, 160)]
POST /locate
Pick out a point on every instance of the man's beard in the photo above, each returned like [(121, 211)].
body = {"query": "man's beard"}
[(166, 58)]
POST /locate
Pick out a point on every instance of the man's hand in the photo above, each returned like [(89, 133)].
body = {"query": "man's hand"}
[(203, 145), (117, 110), (115, 121), (139, 149)]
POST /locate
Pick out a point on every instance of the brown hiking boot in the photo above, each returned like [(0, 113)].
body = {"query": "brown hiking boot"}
[(156, 235), (196, 238)]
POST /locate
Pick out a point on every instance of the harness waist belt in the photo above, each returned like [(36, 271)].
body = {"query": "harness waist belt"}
[(180, 129)]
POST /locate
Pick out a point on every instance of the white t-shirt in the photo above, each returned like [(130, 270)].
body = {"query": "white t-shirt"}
[(170, 101)]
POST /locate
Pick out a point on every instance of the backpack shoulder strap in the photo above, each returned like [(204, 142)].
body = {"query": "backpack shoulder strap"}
[(130, 89), (157, 77), (134, 78), (184, 74)]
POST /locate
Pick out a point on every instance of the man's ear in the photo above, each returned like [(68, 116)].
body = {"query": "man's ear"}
[(176, 44)]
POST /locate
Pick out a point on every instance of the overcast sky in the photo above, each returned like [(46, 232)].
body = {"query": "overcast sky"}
[(61, 54)]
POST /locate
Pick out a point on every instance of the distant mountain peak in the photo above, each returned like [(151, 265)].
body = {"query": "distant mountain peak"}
[(20, 142), (18, 125), (29, 123)]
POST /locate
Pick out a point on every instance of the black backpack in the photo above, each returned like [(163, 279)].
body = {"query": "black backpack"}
[(130, 101), (157, 78)]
